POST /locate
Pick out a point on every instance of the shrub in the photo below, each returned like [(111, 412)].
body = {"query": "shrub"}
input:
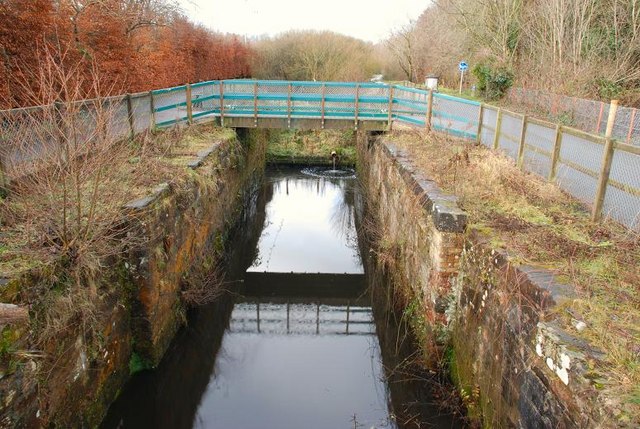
[(493, 82), (608, 89)]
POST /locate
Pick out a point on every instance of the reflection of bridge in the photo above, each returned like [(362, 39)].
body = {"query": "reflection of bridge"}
[(301, 319), (244, 103), (303, 304)]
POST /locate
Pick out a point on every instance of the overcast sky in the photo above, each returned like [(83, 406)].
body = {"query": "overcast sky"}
[(370, 20)]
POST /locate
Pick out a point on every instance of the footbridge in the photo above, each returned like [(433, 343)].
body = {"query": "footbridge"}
[(242, 103)]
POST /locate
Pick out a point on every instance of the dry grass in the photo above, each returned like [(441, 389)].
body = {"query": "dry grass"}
[(540, 225), (31, 212)]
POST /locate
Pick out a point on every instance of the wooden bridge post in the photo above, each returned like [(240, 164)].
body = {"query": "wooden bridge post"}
[(289, 106), (255, 104), (357, 105), (189, 105), (607, 158), (221, 103), (322, 103), (391, 91)]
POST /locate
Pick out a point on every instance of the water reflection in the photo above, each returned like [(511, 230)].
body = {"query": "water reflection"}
[(301, 319), (309, 227), (294, 344), (297, 365)]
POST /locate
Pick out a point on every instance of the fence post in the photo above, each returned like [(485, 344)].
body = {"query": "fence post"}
[(597, 130), (521, 145), (289, 106), (132, 130), (631, 123), (605, 169), (255, 104), (496, 137), (222, 103), (189, 105), (555, 156), (152, 106), (429, 110), (480, 119), (357, 105), (322, 104), (391, 91)]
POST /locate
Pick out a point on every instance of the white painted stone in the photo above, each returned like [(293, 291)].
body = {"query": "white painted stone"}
[(563, 374), (539, 349), (565, 360), (581, 326), (550, 364)]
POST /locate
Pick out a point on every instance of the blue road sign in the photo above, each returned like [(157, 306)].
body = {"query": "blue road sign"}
[(463, 66)]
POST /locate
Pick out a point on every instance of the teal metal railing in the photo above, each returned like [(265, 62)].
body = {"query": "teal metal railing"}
[(323, 101)]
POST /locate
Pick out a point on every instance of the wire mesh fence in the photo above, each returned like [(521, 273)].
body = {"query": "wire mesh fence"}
[(586, 115), (572, 159)]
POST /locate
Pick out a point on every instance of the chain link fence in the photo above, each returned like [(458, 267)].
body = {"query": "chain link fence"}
[(571, 158), (573, 152), (586, 115)]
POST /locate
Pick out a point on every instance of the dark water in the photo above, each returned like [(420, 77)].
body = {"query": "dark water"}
[(294, 344)]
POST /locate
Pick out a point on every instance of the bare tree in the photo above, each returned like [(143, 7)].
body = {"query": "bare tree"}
[(313, 55), (67, 160), (402, 44), (491, 24)]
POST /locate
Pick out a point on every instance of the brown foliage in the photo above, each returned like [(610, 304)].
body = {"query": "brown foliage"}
[(137, 44)]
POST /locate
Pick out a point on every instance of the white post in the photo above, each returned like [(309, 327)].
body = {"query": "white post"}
[(461, 78)]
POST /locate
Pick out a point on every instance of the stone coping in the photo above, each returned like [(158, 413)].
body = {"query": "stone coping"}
[(443, 208)]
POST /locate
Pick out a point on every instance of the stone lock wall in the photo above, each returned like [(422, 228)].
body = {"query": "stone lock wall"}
[(513, 364), (143, 309), (179, 225), (420, 225)]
